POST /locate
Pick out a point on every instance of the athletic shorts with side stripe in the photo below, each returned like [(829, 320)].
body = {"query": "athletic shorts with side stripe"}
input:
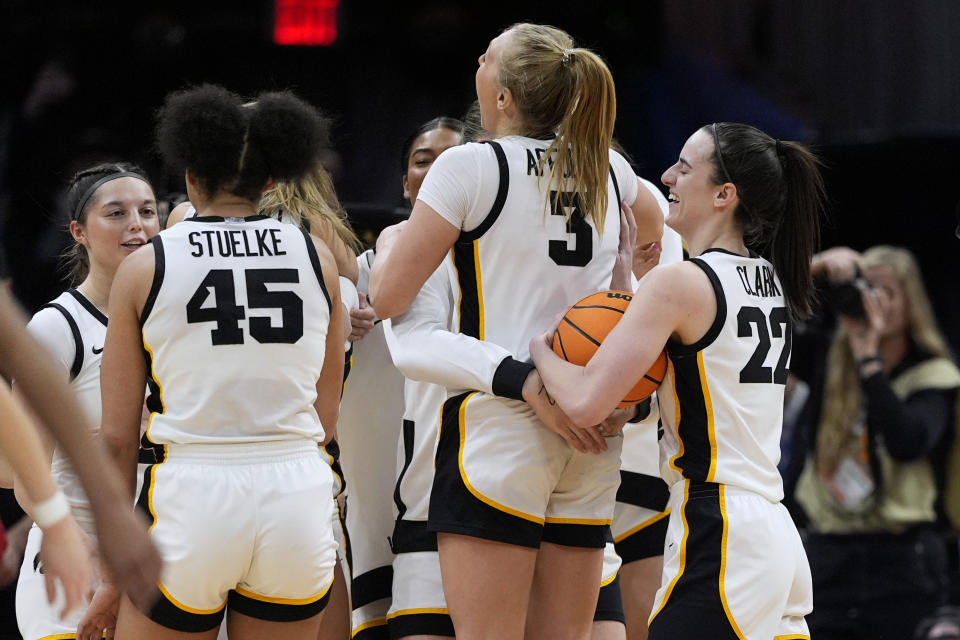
[(502, 475), (247, 526), (734, 565)]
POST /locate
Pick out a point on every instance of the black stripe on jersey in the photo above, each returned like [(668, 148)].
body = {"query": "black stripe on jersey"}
[(371, 586), (721, 317), (695, 603), (464, 259), (645, 543), (642, 490), (159, 266), (610, 603), (143, 500), (77, 339), (315, 261), (275, 611), (408, 433), (616, 187), (694, 426), (89, 306), (454, 509), (420, 624), (154, 404), (497, 208), (410, 536)]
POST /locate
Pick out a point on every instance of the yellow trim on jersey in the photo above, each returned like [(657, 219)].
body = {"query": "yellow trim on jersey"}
[(588, 521), (66, 636), (723, 561), (466, 481), (676, 422), (412, 612), (439, 428), (476, 268), (604, 583), (286, 601), (183, 607), (683, 551), (642, 525), (711, 427), (153, 376), (377, 622)]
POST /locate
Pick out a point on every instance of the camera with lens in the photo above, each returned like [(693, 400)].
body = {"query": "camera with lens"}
[(846, 296)]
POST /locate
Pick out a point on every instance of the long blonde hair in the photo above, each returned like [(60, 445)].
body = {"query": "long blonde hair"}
[(311, 199), (568, 91), (842, 397)]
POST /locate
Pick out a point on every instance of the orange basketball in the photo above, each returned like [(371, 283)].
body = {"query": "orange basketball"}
[(584, 327)]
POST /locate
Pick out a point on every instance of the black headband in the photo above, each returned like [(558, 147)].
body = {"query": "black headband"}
[(716, 144), (82, 204)]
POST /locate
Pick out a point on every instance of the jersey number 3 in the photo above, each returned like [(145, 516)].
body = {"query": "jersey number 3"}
[(568, 204), (754, 371), (228, 314)]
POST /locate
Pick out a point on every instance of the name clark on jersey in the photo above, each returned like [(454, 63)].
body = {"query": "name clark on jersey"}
[(238, 243), (762, 284)]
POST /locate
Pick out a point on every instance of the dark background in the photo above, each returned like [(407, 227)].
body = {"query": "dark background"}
[(875, 86)]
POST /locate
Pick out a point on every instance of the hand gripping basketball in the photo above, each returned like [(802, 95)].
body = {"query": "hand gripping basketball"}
[(584, 327)]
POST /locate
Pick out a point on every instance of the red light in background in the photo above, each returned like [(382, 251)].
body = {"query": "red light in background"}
[(305, 22)]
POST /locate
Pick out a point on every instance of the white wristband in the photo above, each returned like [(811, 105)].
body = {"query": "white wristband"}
[(50, 511)]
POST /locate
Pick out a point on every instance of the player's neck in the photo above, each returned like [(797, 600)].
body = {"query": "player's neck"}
[(96, 288), (226, 205), (729, 240)]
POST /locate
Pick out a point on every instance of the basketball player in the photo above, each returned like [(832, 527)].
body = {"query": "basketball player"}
[(370, 431), (734, 563), (245, 364), (534, 217), (311, 203), (113, 213)]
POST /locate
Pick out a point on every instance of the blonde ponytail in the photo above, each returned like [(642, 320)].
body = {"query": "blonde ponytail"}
[(569, 92)]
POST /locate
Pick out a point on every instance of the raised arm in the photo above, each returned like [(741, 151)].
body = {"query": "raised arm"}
[(407, 257)]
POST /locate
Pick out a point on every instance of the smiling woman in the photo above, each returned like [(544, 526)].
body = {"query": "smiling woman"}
[(112, 214)]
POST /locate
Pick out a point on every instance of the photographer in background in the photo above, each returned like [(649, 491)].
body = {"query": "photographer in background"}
[(878, 426)]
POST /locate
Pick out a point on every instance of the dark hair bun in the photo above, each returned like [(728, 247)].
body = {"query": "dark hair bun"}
[(201, 129), (288, 133), (227, 144)]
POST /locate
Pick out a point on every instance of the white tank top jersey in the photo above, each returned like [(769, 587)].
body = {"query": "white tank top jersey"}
[(235, 329), (721, 402), (520, 260), (72, 330)]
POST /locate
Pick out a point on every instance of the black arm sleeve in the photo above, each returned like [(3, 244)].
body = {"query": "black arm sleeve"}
[(910, 428), (509, 377)]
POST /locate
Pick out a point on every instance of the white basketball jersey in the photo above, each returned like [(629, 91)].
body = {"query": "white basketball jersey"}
[(73, 330), (529, 260), (235, 330), (721, 402)]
